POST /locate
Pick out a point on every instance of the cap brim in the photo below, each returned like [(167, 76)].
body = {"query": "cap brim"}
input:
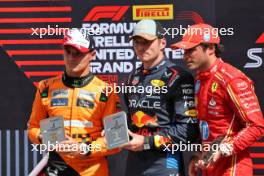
[(145, 36), (79, 48), (183, 45)]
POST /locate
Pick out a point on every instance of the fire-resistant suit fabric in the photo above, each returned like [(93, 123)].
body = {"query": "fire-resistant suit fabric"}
[(228, 107), (83, 103), (161, 108)]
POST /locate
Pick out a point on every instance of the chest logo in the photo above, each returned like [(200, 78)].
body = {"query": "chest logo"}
[(214, 87), (135, 80), (212, 102), (157, 83)]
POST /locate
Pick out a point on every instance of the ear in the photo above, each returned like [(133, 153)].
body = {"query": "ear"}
[(211, 50), (163, 43), (92, 55)]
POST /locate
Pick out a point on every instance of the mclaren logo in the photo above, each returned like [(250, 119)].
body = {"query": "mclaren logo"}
[(158, 12)]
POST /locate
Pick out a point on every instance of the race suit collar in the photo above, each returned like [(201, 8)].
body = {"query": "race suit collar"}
[(76, 81), (155, 68), (211, 71)]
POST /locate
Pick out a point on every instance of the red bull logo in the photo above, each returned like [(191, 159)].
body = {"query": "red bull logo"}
[(141, 119), (160, 140)]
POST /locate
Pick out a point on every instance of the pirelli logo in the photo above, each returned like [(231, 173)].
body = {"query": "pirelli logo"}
[(156, 12)]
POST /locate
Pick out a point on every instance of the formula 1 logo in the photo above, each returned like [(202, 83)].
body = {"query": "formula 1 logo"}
[(253, 54), (105, 12), (158, 12)]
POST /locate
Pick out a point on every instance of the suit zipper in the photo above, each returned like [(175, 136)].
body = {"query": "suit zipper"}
[(72, 99)]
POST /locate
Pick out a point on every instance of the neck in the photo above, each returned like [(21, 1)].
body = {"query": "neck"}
[(148, 65), (76, 82), (77, 74)]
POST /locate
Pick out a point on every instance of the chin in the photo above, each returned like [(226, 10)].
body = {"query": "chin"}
[(191, 67)]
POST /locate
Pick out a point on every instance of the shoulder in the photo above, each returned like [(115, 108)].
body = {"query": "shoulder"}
[(177, 70), (43, 84), (228, 73), (98, 82), (134, 75)]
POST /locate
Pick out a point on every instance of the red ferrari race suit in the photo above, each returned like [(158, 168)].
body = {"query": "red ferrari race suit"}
[(83, 104), (227, 106)]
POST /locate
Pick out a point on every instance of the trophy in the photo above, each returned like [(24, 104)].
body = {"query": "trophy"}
[(52, 130), (116, 131), (209, 155)]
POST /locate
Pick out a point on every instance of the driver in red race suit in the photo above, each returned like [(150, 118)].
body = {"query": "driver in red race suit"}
[(226, 103)]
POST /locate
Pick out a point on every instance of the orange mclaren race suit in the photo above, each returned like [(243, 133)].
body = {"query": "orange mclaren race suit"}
[(83, 104), (228, 107), (165, 115)]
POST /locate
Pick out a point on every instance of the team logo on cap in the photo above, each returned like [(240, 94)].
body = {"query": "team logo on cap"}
[(77, 39), (206, 37)]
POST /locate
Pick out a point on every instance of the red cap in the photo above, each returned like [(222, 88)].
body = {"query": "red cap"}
[(76, 39), (196, 34)]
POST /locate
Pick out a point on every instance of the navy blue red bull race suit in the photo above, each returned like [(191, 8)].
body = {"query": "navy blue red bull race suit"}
[(164, 112)]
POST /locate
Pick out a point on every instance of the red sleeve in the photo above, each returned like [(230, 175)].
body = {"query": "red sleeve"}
[(246, 107)]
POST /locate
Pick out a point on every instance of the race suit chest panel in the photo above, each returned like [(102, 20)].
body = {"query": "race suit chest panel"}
[(214, 112), (80, 107)]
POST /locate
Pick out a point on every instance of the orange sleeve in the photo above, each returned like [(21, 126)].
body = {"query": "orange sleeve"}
[(38, 113)]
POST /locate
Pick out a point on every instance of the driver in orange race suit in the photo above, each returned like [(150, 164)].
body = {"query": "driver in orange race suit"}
[(79, 97)]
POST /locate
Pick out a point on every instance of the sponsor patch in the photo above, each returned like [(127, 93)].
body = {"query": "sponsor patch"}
[(197, 86), (85, 103), (86, 95), (191, 113), (212, 102), (242, 85), (156, 12), (44, 93), (59, 102), (214, 87), (157, 83), (60, 93), (135, 80), (204, 129), (103, 97)]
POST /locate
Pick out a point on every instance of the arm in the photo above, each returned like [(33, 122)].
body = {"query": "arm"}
[(110, 105), (38, 113), (246, 106), (183, 127)]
